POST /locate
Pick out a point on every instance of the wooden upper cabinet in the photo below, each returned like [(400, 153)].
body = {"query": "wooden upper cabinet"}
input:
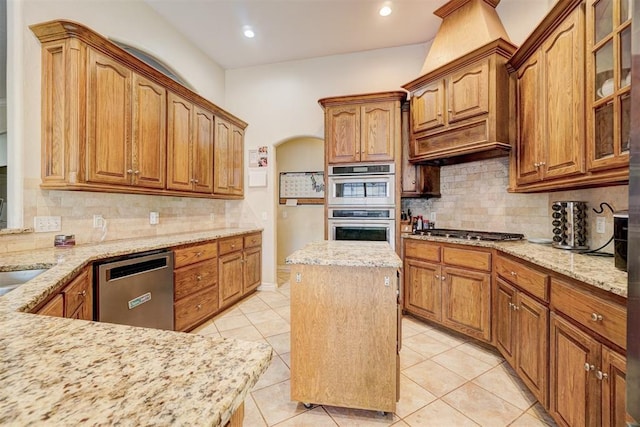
[(190, 146), (112, 123), (569, 133), (529, 121), (608, 83), (343, 133), (460, 111), (362, 128), (377, 131), (179, 136), (228, 169), (202, 151), (428, 108), (468, 92), (563, 62), (108, 120), (149, 151)]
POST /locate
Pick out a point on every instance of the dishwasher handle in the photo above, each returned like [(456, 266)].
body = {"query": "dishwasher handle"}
[(137, 265)]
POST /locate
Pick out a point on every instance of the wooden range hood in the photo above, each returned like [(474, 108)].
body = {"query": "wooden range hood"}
[(460, 103), (467, 25)]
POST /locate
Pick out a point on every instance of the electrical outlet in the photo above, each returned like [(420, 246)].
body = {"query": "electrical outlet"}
[(284, 214), (600, 225), (212, 217), (42, 224), (98, 221), (432, 217), (264, 216), (154, 218)]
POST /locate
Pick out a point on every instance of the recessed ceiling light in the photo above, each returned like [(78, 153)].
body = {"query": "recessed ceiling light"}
[(248, 33), (385, 11)]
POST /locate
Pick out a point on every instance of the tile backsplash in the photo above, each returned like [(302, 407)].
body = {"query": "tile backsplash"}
[(475, 197), (126, 215)]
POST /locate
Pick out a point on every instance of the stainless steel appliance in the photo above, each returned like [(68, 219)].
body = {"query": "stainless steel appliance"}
[(469, 234), (372, 224), (620, 238), (633, 259), (569, 220), (361, 185), (136, 290)]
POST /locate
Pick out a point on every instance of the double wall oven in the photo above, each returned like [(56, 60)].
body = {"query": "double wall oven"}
[(361, 202)]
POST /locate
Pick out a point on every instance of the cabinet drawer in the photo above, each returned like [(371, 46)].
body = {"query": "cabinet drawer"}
[(253, 240), (421, 250), (76, 292), (468, 258), (191, 254), (193, 278), (192, 309), (603, 317), (530, 280), (230, 245)]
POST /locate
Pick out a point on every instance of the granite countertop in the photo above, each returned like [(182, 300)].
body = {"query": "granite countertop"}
[(67, 372), (346, 253), (592, 270)]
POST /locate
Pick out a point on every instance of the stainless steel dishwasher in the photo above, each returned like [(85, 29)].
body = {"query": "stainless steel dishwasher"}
[(136, 290)]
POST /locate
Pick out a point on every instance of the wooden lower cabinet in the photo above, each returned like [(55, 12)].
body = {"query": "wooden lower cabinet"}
[(195, 284), (240, 267), (449, 284), (587, 378), (75, 300), (521, 326)]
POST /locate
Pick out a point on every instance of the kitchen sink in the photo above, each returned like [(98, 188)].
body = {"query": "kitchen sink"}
[(9, 280)]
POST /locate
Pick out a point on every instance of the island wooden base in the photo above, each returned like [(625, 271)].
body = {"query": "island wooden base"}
[(237, 417), (344, 336)]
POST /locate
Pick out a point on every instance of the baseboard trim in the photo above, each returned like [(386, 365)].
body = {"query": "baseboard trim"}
[(268, 287)]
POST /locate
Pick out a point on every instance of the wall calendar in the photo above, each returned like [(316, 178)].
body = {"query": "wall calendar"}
[(302, 188)]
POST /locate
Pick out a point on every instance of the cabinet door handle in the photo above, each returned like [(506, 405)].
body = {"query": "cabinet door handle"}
[(83, 293), (439, 114), (196, 181), (543, 163), (437, 277), (136, 172), (129, 171), (516, 307), (511, 305), (596, 317), (588, 367), (537, 165), (602, 375), (450, 110)]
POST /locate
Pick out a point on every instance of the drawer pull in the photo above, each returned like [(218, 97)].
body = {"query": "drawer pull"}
[(199, 306), (511, 305), (513, 273), (233, 246), (83, 293), (515, 307), (588, 367), (199, 277), (198, 254), (602, 375), (596, 317)]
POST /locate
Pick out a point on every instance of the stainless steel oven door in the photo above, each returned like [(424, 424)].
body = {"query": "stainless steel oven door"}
[(369, 190), (368, 230)]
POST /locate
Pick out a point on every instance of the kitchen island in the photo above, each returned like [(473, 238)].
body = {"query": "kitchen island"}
[(345, 325), (61, 371)]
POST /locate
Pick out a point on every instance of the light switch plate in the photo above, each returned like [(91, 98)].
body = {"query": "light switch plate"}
[(154, 218), (600, 224)]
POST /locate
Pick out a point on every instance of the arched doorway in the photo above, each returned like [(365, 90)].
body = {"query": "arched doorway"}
[(297, 225)]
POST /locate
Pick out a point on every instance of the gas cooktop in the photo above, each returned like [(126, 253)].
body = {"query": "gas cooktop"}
[(469, 234)]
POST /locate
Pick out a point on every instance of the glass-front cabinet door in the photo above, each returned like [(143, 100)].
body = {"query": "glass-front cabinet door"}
[(608, 83)]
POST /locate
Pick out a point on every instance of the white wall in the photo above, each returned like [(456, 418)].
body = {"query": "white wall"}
[(298, 225)]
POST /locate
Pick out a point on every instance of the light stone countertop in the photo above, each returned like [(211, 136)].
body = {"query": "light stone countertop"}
[(593, 270), (346, 253), (57, 371)]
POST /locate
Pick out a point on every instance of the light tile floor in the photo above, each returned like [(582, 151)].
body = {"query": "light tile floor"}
[(446, 380)]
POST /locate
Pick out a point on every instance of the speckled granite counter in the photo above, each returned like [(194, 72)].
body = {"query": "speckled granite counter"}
[(346, 253), (593, 270), (58, 371)]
